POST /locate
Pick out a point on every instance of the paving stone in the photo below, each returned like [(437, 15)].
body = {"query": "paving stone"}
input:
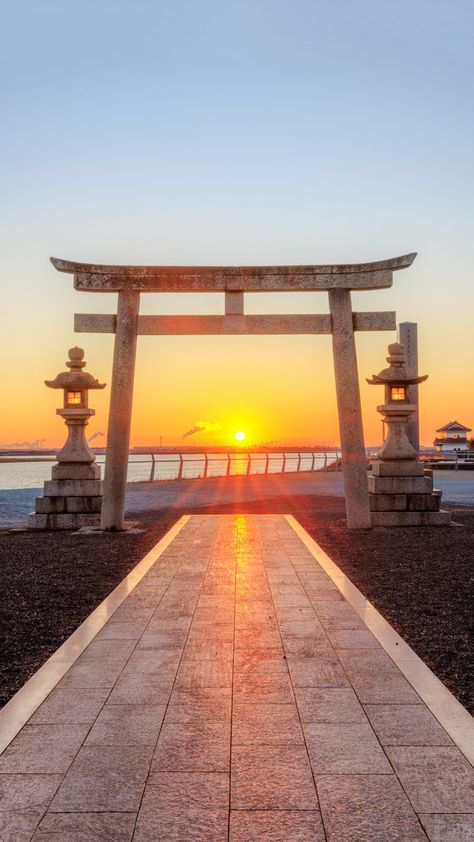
[(86, 827), (192, 825), (344, 748), (19, 825), (271, 778), (185, 790), (122, 630), (367, 808), (153, 661), (448, 828), (142, 689), (27, 792), (318, 671), (195, 673), (353, 639), (43, 749), (375, 678), (93, 675), (122, 725), (276, 826), (335, 616), (193, 748), (199, 704), (329, 704), (69, 706), (114, 650), (266, 724), (406, 725), (436, 779), (104, 778), (272, 688)]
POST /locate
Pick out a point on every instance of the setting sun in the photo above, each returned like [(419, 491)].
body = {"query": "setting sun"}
[(239, 435)]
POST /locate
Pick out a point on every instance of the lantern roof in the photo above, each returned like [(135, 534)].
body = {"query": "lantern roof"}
[(75, 378), (397, 372)]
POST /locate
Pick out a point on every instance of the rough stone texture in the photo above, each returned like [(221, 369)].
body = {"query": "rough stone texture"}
[(400, 485), (392, 468), (411, 518), (388, 502), (77, 471), (73, 488)]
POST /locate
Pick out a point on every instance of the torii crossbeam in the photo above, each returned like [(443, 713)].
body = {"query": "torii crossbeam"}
[(338, 280)]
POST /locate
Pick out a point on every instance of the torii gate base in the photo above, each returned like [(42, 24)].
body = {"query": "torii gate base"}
[(233, 281)]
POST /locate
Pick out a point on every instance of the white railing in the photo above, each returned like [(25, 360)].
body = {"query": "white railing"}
[(168, 466)]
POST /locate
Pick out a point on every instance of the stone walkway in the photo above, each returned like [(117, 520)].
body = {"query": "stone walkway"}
[(235, 695)]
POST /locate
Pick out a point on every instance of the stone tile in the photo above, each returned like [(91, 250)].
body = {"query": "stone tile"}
[(335, 616), (259, 663), (272, 688), (221, 631), (19, 825), (406, 725), (180, 791), (448, 828), (104, 778), (266, 724), (271, 778), (193, 748), (215, 673), (92, 675), (26, 792), (69, 706), (312, 631), (86, 827), (367, 808), (130, 630), (318, 671), (353, 639), (436, 779), (375, 678), (191, 825), (344, 749), (329, 704), (257, 640), (142, 689), (112, 649), (208, 650), (43, 749), (173, 639), (123, 725), (148, 661), (199, 704), (276, 826)]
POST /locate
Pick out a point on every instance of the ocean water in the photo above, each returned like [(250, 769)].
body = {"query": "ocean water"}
[(26, 474)]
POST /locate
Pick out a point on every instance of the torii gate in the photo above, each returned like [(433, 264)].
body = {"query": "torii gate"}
[(234, 281)]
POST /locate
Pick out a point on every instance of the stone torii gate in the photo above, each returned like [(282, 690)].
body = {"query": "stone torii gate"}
[(337, 280)]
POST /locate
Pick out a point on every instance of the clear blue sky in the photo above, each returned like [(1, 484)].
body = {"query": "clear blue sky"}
[(256, 131)]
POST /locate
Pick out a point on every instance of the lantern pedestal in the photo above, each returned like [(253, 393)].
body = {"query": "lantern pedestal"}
[(400, 489), (72, 498)]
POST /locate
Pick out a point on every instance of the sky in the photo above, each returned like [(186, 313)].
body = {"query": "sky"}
[(225, 132)]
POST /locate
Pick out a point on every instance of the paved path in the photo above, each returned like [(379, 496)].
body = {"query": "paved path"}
[(234, 692)]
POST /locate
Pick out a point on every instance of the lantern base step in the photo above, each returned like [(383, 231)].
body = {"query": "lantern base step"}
[(62, 521), (395, 468), (441, 518)]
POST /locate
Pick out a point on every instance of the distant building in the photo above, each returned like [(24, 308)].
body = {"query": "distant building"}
[(452, 437)]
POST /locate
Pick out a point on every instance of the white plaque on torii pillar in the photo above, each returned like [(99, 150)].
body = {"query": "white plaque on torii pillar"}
[(234, 281)]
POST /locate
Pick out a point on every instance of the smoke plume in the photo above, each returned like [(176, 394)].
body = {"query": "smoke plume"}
[(203, 427)]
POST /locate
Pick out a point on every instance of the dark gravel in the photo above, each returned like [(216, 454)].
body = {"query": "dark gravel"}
[(420, 579)]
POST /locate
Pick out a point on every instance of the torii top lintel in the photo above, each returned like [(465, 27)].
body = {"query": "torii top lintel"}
[(90, 277)]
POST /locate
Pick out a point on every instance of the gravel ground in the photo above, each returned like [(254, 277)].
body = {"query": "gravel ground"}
[(420, 579)]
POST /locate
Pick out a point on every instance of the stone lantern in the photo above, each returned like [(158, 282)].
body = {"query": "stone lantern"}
[(396, 410), (73, 496), (400, 489)]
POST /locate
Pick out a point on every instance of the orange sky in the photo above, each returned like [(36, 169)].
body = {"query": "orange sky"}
[(278, 388)]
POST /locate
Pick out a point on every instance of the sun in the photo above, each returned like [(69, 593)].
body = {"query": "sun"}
[(239, 435)]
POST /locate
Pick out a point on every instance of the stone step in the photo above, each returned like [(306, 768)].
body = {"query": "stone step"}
[(75, 505), (400, 485), (402, 468), (62, 521), (411, 518), (73, 488)]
